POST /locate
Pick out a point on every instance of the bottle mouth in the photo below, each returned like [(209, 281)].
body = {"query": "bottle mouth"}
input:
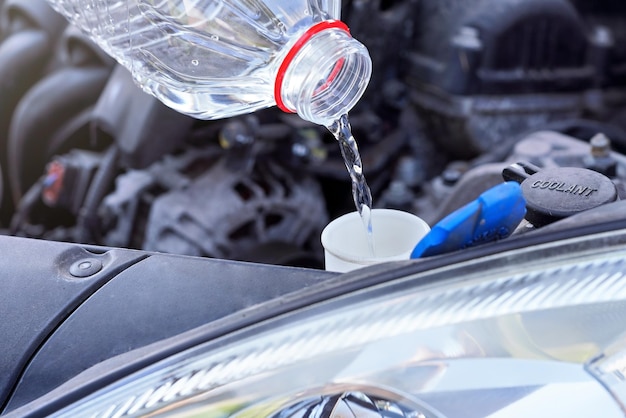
[(293, 52), (324, 74)]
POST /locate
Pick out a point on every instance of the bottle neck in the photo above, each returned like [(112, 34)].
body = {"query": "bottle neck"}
[(324, 74)]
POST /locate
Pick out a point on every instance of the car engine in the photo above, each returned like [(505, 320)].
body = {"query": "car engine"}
[(460, 91)]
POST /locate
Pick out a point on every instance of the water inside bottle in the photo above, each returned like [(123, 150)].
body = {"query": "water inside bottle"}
[(360, 190)]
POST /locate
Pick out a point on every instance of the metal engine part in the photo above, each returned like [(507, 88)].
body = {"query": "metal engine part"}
[(197, 204), (461, 183), (481, 70)]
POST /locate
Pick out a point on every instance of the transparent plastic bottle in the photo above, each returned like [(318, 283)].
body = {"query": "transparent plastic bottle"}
[(218, 58)]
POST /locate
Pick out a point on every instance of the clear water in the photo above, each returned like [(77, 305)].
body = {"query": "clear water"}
[(360, 190)]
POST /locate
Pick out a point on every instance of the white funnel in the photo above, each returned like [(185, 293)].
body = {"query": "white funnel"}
[(346, 245)]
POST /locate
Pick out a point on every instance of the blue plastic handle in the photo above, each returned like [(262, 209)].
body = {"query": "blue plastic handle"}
[(494, 215)]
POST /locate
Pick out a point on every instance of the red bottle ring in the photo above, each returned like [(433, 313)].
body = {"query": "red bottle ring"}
[(306, 36)]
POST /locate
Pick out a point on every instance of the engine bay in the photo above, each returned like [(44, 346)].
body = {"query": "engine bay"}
[(461, 90)]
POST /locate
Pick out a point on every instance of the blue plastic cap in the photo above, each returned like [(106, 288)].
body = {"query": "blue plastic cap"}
[(494, 215)]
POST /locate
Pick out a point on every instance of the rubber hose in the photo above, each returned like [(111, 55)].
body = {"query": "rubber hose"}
[(87, 224), (22, 59)]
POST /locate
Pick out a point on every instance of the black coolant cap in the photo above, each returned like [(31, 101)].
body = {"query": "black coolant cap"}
[(555, 193)]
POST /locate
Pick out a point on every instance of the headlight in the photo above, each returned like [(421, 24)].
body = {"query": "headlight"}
[(527, 333)]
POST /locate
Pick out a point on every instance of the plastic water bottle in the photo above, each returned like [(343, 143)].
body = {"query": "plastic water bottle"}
[(213, 59)]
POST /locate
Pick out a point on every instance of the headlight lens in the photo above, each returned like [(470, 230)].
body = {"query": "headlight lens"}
[(534, 332)]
